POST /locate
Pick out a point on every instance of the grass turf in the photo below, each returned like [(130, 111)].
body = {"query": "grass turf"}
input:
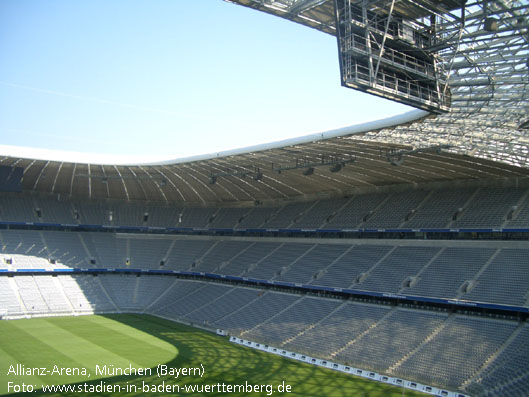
[(144, 342)]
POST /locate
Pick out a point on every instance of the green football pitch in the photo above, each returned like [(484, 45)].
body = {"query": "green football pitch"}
[(133, 355)]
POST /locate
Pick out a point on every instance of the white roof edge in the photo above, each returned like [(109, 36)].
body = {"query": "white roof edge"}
[(354, 129), (124, 160)]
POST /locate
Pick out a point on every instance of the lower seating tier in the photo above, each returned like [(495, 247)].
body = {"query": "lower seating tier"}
[(484, 356)]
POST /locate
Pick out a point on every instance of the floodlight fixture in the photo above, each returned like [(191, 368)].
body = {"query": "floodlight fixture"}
[(308, 171), (337, 167), (258, 175)]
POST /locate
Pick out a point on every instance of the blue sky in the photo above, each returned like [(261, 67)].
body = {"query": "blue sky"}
[(166, 78)]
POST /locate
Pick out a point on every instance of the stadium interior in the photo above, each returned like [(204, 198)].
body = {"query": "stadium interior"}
[(399, 247)]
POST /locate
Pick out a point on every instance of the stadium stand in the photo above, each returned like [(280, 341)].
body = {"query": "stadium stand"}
[(465, 208), (467, 352)]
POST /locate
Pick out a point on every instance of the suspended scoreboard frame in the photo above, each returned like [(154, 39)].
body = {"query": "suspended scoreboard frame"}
[(387, 48)]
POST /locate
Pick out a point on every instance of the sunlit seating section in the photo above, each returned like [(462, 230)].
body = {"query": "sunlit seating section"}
[(336, 330), (9, 304), (233, 300), (391, 339), (23, 242), (201, 294), (66, 249), (87, 290), (52, 293), (455, 354), (259, 310), (31, 296), (292, 321), (508, 374)]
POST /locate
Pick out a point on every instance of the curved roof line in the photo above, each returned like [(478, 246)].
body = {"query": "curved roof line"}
[(108, 159), (387, 122)]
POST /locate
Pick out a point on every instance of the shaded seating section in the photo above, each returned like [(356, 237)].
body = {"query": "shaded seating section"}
[(228, 217), (287, 215), (349, 267), (392, 213), (145, 252), (441, 271), (67, 248), (439, 209), (505, 280), (220, 254), (183, 254), (352, 215), (307, 267), (319, 214), (249, 258), (489, 208), (18, 208), (280, 258), (86, 294), (521, 219), (392, 272), (257, 217), (445, 276)]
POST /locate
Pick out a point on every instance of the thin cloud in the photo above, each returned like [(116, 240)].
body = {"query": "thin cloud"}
[(89, 99)]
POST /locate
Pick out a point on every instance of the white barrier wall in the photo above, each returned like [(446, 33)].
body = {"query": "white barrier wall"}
[(347, 369)]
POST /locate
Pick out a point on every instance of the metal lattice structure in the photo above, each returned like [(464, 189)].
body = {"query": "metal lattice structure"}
[(483, 48)]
